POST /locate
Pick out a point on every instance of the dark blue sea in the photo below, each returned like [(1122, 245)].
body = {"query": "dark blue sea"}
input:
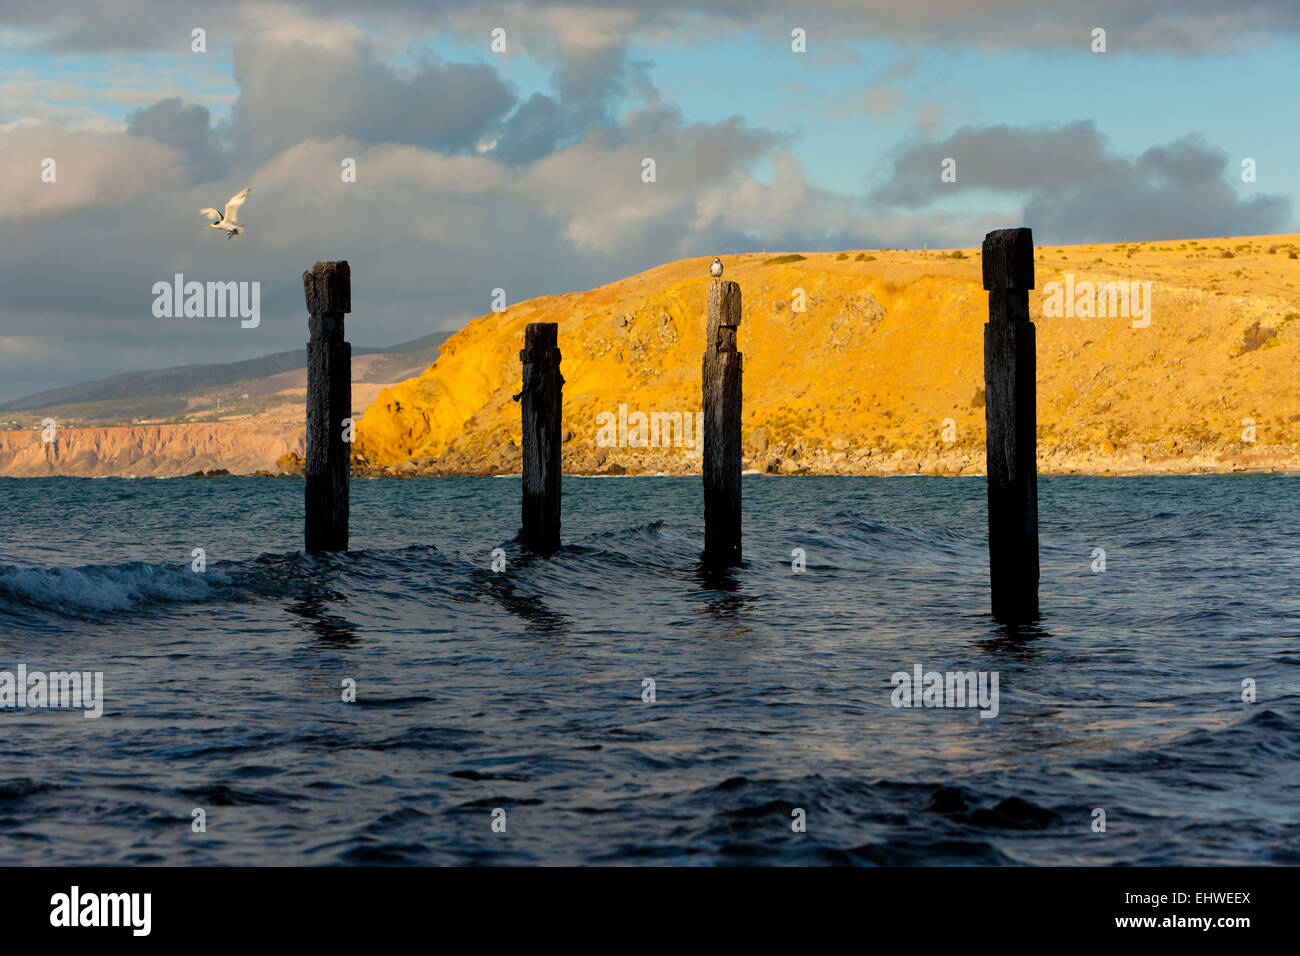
[(521, 690)]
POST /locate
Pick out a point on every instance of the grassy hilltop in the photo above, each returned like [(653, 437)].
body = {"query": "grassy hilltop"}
[(889, 347)]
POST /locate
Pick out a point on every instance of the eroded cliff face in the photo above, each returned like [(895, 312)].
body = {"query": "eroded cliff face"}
[(872, 363), (148, 450)]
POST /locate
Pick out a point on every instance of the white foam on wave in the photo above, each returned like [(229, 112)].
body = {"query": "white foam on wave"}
[(108, 587)]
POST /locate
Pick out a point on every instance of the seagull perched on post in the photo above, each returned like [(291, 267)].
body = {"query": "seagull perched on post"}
[(715, 270), (227, 222)]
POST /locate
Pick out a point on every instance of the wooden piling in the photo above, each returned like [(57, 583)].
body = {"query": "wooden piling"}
[(722, 401), (540, 405), (1011, 422), (328, 288)]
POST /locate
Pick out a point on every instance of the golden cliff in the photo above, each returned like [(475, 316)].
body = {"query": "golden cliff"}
[(872, 363)]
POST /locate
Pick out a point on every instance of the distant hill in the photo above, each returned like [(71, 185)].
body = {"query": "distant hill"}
[(241, 416), (190, 379)]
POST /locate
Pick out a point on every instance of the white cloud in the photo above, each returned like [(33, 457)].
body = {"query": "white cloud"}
[(92, 170)]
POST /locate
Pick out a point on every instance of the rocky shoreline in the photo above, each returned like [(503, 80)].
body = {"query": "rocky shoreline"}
[(1189, 459)]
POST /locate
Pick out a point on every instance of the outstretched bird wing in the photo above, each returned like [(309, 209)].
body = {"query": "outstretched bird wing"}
[(211, 214), (235, 201)]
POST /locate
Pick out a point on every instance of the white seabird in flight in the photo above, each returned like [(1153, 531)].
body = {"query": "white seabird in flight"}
[(715, 270), (227, 222)]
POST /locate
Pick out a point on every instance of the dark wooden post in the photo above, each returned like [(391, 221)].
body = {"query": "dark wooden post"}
[(328, 287), (1011, 421), (540, 406), (722, 397)]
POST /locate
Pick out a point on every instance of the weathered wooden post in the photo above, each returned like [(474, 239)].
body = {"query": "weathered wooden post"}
[(1011, 422), (540, 406), (328, 287), (722, 397)]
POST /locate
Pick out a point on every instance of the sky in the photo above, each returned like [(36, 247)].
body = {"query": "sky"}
[(523, 168)]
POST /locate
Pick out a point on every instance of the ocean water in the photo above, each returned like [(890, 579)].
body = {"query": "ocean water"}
[(521, 690)]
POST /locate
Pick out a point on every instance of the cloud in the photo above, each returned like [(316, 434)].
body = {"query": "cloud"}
[(294, 91), (1176, 26), (1006, 158), (588, 82), (1076, 190), (105, 172), (597, 186), (532, 131), (1179, 190), (188, 129)]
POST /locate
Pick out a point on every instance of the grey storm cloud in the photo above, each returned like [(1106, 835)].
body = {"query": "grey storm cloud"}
[(290, 92), (533, 130), (294, 91), (1076, 190), (1182, 189), (587, 83), (1180, 26), (1013, 158), (188, 129)]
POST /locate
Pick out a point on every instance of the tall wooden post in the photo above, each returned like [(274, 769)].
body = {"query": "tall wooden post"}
[(328, 287), (540, 406), (1011, 422), (722, 398)]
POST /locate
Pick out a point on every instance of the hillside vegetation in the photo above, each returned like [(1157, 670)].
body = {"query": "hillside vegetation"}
[(882, 373)]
